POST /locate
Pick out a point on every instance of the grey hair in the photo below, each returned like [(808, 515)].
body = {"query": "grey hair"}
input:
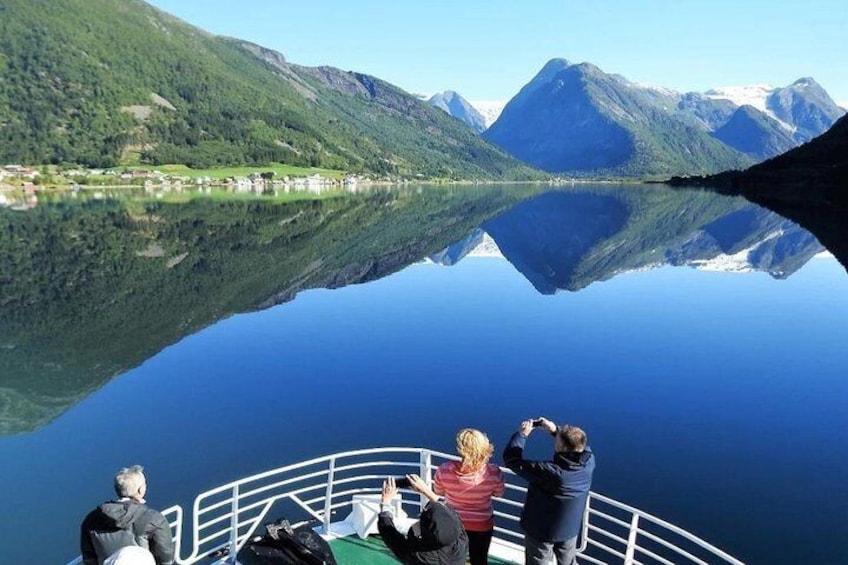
[(129, 481)]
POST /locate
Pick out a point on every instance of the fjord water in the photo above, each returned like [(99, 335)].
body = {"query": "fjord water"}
[(212, 339)]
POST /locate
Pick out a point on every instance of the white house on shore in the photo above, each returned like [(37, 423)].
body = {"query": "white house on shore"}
[(17, 171)]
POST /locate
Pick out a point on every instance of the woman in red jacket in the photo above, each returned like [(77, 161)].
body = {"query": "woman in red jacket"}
[(468, 487)]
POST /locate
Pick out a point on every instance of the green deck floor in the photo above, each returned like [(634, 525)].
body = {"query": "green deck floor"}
[(371, 551)]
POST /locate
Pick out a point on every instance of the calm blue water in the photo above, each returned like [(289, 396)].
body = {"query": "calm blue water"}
[(713, 400)]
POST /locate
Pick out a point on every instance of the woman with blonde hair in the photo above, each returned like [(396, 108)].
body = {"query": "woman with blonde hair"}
[(468, 487)]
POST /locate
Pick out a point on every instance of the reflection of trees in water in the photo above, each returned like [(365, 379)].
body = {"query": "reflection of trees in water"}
[(90, 290)]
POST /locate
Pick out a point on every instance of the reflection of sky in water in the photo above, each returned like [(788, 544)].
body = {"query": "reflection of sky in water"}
[(713, 400)]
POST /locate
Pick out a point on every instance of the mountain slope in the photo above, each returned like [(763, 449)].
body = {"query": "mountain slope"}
[(755, 134), (102, 82), (576, 119), (702, 111), (458, 107), (813, 174)]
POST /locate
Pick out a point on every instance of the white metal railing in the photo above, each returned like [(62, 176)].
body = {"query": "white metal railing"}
[(224, 518)]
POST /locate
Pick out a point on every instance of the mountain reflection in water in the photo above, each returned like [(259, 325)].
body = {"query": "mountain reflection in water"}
[(90, 290), (568, 240)]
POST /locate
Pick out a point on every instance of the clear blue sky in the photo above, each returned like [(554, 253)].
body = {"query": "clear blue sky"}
[(489, 50)]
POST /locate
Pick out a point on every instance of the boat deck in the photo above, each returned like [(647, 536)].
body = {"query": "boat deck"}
[(323, 490), (353, 550)]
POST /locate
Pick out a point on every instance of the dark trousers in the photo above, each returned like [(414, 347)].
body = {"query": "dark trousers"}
[(478, 546), (540, 552)]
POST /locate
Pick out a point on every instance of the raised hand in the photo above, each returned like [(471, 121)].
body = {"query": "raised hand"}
[(417, 484), (548, 425), (390, 490)]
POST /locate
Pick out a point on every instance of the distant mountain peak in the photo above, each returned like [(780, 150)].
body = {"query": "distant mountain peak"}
[(805, 82), (549, 71), (555, 65), (755, 133), (454, 104), (586, 67), (748, 109)]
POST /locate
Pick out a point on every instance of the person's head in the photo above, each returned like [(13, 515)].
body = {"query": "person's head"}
[(570, 439), (437, 527), (474, 448), (130, 482)]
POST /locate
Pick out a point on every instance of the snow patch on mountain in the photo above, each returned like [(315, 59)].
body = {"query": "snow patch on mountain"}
[(486, 248), (490, 109), (754, 95), (739, 262), (736, 263)]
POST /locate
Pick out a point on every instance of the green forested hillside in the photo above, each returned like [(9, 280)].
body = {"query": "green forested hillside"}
[(106, 82)]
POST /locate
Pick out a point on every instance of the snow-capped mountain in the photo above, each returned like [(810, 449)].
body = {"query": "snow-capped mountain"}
[(487, 248), (803, 108), (480, 114), (458, 107), (752, 95), (489, 109), (476, 244)]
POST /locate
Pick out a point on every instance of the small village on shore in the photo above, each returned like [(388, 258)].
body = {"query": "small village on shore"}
[(20, 185)]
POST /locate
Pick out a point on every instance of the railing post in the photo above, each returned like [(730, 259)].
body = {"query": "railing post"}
[(631, 540), (584, 534), (425, 470), (234, 520), (328, 496)]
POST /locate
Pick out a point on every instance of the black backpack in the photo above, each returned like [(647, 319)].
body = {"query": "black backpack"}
[(282, 545)]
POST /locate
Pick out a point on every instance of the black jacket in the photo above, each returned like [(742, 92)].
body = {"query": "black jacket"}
[(557, 493), (114, 525), (438, 537)]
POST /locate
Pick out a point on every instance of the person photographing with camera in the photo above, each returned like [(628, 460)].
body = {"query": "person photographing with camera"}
[(557, 491), (436, 539)]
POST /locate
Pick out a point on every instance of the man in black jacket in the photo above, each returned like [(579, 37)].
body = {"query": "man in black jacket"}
[(124, 522), (557, 491), (438, 537)]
